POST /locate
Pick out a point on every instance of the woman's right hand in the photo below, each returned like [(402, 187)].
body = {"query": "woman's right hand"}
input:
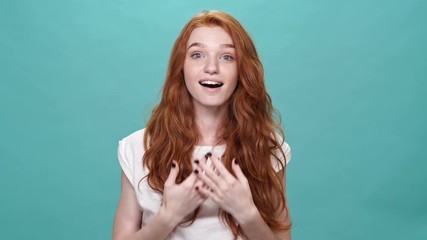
[(179, 200)]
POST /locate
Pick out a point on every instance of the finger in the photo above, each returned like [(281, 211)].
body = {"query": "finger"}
[(199, 184), (208, 182), (209, 173), (209, 194), (202, 163), (196, 163), (238, 171), (221, 168), (205, 192), (173, 174), (201, 198), (195, 191), (191, 179)]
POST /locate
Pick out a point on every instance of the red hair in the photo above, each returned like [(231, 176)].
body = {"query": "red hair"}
[(248, 131)]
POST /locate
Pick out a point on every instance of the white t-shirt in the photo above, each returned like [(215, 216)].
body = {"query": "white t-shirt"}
[(207, 224)]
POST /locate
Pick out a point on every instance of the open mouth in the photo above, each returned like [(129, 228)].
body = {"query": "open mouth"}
[(211, 84)]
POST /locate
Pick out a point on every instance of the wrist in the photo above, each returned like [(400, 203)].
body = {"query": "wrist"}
[(248, 216), (168, 218)]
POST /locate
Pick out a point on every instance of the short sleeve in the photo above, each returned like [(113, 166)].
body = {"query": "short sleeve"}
[(287, 150), (124, 161), (283, 158)]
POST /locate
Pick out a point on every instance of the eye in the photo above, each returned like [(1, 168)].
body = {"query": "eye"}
[(196, 55), (227, 57)]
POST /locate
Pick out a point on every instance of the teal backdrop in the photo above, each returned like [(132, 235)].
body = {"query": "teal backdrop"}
[(349, 78)]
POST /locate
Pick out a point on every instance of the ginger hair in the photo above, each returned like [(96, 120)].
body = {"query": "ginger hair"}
[(249, 130)]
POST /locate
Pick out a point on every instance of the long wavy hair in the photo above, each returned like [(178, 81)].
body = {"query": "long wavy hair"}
[(249, 129)]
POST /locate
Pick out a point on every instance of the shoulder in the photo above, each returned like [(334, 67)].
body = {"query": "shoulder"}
[(130, 152), (133, 142), (135, 138), (132, 145)]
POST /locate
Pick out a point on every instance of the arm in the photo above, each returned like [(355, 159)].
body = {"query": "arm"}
[(255, 228), (178, 201), (127, 223), (234, 196)]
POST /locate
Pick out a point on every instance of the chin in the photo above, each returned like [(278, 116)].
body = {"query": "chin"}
[(212, 104), (215, 105)]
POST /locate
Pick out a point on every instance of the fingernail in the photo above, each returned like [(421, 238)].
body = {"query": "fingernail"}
[(236, 162), (196, 171), (173, 165), (197, 188), (196, 162), (209, 154)]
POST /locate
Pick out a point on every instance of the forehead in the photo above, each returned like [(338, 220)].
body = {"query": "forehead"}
[(210, 36)]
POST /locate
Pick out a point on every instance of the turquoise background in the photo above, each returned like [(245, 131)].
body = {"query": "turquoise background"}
[(349, 78)]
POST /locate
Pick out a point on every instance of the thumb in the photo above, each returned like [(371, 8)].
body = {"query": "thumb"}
[(173, 174)]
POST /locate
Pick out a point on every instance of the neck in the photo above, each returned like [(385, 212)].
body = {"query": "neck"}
[(209, 122)]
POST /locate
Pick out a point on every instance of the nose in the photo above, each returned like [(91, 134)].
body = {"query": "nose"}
[(211, 66)]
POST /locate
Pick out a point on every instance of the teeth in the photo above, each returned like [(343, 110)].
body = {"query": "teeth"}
[(211, 84), (208, 82)]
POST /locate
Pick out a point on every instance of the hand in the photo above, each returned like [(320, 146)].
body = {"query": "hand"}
[(230, 193), (179, 200)]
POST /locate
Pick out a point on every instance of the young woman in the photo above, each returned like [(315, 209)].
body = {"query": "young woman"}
[(209, 164)]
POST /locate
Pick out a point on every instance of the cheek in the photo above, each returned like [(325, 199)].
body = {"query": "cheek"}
[(187, 75), (234, 86), (190, 72), (233, 75), (190, 80)]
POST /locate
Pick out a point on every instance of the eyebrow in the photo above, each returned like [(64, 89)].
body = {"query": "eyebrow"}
[(196, 44)]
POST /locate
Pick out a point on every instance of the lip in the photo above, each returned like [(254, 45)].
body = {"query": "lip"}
[(211, 79), (220, 83)]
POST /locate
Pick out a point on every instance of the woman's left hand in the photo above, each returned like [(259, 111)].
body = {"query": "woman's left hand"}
[(232, 194)]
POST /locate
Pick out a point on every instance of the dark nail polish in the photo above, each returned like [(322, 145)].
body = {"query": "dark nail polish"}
[(197, 188), (196, 171), (236, 162), (209, 154), (196, 162), (173, 165)]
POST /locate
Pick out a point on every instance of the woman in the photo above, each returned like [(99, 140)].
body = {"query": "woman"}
[(209, 164)]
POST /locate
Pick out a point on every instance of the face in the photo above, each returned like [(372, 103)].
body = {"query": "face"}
[(210, 68)]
